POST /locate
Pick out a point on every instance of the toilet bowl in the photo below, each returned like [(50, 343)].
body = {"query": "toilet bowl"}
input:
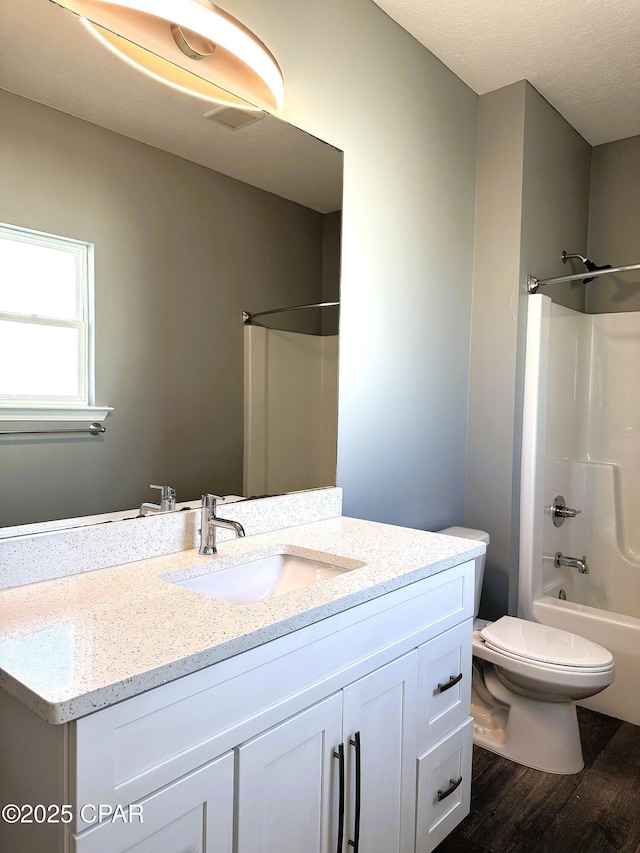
[(526, 680)]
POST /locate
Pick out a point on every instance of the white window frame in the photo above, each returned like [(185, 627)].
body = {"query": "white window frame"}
[(65, 408)]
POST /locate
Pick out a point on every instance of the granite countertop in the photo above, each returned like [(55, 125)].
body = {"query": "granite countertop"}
[(75, 644)]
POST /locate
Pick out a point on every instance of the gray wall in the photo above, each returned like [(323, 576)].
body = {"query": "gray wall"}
[(407, 126), (490, 460), (532, 202), (614, 224), (179, 252)]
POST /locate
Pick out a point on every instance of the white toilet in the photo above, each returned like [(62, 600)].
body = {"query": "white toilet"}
[(526, 680)]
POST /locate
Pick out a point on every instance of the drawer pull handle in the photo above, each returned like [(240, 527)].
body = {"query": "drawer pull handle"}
[(340, 756), (453, 680), (453, 784), (355, 742)]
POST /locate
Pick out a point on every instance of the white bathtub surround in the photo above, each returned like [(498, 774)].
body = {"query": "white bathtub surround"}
[(290, 410), (582, 417), (26, 559), (78, 643)]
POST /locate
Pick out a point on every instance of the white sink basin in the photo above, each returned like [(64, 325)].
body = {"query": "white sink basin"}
[(262, 578)]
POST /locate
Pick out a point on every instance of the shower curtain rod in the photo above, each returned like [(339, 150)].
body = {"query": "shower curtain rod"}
[(247, 317), (533, 283)]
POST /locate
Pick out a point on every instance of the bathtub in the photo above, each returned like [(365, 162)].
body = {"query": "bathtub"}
[(580, 423)]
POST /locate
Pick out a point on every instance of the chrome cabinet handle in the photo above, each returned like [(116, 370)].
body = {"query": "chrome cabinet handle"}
[(340, 756), (355, 742), (453, 680), (453, 784)]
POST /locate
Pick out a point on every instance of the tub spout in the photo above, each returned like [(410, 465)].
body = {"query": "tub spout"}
[(572, 562)]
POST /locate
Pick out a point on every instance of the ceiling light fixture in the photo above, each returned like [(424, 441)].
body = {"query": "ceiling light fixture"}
[(190, 45)]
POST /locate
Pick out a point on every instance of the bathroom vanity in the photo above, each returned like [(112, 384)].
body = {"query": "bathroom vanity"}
[(334, 713)]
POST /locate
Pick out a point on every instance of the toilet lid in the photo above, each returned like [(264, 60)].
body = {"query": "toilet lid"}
[(536, 642)]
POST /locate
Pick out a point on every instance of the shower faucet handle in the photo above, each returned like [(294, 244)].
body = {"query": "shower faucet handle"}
[(566, 512), (560, 511)]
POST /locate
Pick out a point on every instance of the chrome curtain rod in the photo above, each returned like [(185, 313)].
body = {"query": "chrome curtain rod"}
[(94, 429), (247, 317), (533, 283)]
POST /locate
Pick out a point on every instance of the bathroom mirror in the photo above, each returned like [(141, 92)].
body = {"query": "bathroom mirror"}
[(192, 222)]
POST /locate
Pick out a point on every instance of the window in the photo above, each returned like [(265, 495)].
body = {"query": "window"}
[(46, 326)]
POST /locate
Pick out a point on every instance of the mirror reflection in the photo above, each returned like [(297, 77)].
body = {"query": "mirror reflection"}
[(192, 223)]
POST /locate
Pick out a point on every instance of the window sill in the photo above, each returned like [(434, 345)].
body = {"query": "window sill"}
[(53, 414)]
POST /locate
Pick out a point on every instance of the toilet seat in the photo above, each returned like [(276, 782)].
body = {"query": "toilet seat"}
[(533, 642), (550, 667)]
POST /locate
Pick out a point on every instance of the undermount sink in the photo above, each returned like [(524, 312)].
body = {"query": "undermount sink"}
[(262, 578)]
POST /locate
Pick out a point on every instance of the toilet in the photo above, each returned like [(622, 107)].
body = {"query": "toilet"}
[(526, 680)]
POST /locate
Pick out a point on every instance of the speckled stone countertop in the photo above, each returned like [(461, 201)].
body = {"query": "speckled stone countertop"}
[(75, 644)]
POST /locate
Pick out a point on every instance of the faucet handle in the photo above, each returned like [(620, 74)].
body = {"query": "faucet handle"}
[(209, 501), (560, 511), (167, 496), (166, 490)]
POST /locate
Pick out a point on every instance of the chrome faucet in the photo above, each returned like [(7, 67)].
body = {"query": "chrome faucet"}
[(209, 522), (572, 563), (167, 501)]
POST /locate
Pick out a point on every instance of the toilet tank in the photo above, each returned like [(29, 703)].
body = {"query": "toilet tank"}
[(478, 536)]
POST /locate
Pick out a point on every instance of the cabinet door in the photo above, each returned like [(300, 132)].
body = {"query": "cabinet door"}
[(379, 729), (192, 815), (288, 784)]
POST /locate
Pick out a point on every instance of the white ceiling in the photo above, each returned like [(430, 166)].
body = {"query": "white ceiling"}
[(72, 74), (583, 56)]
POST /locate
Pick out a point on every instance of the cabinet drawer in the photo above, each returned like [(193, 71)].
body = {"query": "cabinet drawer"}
[(444, 684), (193, 815), (442, 804)]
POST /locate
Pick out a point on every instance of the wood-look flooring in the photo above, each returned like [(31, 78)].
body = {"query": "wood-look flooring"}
[(518, 810)]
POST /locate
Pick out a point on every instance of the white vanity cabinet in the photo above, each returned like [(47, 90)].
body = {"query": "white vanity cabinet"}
[(243, 756)]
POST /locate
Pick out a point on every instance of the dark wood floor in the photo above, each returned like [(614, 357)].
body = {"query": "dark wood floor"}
[(518, 810)]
